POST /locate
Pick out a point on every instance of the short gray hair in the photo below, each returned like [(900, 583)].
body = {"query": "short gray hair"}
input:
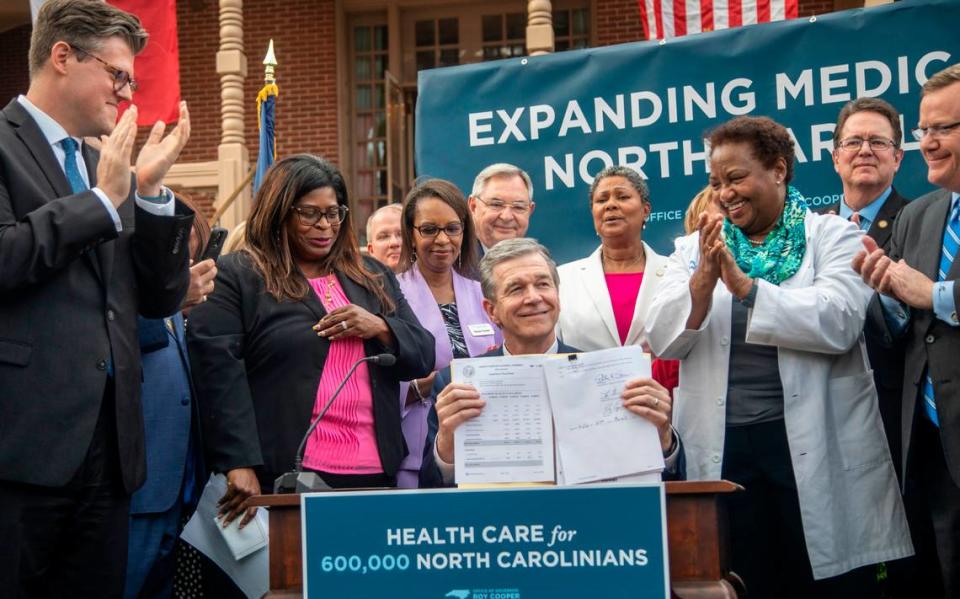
[(397, 207), (636, 181), (944, 78), (508, 249), (500, 169)]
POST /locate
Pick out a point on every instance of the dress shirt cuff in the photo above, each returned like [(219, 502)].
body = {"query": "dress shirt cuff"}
[(944, 303), (896, 314), (162, 207), (670, 460), (446, 470), (102, 196)]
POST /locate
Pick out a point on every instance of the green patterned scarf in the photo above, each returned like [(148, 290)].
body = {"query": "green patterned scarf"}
[(781, 253)]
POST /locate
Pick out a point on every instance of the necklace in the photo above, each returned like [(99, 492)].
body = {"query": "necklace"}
[(328, 291), (755, 243), (622, 263)]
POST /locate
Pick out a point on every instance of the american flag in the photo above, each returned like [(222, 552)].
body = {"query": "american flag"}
[(671, 18)]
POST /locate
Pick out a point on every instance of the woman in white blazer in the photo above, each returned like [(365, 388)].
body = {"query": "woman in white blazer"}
[(776, 393), (604, 297)]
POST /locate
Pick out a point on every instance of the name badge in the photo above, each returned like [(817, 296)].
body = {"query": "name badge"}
[(480, 330)]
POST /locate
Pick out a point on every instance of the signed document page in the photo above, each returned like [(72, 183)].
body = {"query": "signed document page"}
[(512, 438), (597, 438)]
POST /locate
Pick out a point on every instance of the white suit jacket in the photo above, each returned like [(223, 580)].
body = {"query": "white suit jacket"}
[(849, 501), (586, 313)]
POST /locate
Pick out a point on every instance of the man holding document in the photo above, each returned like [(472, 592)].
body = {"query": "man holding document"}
[(520, 288)]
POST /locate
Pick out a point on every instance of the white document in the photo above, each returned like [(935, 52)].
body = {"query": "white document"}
[(512, 439), (251, 573), (242, 541), (597, 438)]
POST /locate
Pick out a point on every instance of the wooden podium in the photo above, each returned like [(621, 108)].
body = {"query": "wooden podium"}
[(696, 539)]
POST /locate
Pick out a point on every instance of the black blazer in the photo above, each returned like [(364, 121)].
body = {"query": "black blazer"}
[(929, 343), (429, 472), (70, 291), (257, 364)]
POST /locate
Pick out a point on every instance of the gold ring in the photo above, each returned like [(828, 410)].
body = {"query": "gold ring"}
[(656, 401)]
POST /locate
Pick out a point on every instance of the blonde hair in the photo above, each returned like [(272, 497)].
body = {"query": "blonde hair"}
[(699, 204)]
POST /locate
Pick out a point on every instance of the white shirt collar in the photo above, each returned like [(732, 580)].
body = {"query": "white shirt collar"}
[(552, 350), (51, 129)]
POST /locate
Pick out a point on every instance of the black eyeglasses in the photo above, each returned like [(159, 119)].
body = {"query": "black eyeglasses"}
[(430, 230), (121, 78), (309, 216)]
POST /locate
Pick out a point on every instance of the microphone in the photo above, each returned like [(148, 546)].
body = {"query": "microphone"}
[(297, 481)]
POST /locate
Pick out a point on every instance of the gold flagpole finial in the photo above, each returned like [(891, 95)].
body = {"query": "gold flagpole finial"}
[(270, 62)]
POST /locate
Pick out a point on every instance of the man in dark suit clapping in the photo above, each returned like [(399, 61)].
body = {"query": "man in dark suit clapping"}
[(82, 251), (917, 300)]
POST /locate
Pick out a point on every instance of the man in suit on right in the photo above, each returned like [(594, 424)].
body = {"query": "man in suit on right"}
[(917, 300)]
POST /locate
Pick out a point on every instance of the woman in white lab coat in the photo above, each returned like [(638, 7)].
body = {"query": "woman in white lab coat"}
[(776, 393)]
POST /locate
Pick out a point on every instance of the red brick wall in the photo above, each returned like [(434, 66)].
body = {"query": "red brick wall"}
[(305, 48), (618, 21), (14, 74), (198, 32)]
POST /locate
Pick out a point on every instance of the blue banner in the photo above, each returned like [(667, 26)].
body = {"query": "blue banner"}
[(563, 117), (536, 543)]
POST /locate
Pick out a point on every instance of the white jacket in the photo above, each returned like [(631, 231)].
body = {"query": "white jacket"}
[(849, 500), (586, 312)]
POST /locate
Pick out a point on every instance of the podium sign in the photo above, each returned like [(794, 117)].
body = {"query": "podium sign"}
[(592, 541)]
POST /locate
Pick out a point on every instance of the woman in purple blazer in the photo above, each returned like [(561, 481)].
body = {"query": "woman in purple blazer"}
[(438, 261)]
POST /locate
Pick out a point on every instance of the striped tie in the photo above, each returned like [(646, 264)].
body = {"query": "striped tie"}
[(951, 241)]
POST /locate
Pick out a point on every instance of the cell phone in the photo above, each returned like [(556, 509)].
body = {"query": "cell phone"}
[(214, 245)]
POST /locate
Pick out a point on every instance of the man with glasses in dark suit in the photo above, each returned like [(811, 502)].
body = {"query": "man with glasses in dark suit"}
[(918, 298), (83, 250)]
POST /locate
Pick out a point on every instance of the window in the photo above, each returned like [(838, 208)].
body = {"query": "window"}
[(504, 35), (369, 120), (571, 29), (437, 42)]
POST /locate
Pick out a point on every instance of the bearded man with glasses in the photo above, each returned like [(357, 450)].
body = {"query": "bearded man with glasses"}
[(84, 248)]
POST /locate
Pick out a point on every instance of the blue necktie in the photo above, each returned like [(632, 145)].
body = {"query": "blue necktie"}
[(951, 241), (77, 184)]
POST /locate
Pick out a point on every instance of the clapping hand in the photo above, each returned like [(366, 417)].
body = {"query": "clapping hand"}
[(113, 168), (159, 153), (895, 279)]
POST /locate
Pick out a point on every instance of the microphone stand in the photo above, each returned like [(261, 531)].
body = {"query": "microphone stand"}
[(297, 481)]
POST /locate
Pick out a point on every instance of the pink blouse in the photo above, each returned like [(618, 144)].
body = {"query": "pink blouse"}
[(623, 288), (344, 442)]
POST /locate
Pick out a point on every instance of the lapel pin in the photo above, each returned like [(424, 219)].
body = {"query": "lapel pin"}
[(660, 272), (883, 224)]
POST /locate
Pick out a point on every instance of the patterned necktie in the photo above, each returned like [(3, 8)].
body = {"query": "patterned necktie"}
[(951, 241), (77, 184)]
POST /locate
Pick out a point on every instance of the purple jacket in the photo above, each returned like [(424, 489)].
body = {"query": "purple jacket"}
[(424, 305)]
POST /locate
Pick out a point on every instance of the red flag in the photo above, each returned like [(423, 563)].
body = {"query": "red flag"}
[(157, 68), (671, 18)]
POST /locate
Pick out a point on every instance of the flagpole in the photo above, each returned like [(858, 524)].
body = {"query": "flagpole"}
[(269, 79)]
